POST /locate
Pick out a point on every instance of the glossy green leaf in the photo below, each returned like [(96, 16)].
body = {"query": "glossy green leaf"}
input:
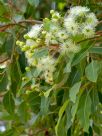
[(3, 81), (41, 53), (44, 105), (34, 2), (34, 101), (94, 99), (96, 50), (75, 106), (61, 128), (61, 111), (69, 116), (9, 103), (84, 111), (74, 91), (15, 75), (91, 71), (81, 55), (22, 111)]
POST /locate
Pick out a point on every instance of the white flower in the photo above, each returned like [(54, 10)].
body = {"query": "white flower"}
[(46, 65), (54, 28), (62, 35), (48, 76), (35, 30), (91, 19), (30, 42), (50, 39), (69, 46), (29, 57), (78, 11), (71, 26), (88, 31)]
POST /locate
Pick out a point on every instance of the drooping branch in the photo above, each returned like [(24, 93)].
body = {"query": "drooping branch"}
[(6, 26), (4, 60), (100, 22)]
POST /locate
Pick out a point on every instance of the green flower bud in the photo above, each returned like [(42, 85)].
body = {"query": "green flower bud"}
[(27, 69), (25, 48), (38, 40), (28, 91), (52, 11), (17, 42), (26, 36), (46, 19), (24, 79), (44, 32)]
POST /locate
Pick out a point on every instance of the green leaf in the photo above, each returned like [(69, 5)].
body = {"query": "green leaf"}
[(74, 91), (67, 69), (97, 120), (91, 71), (9, 132), (94, 99), (74, 77), (96, 50), (75, 106), (81, 55), (69, 116), (15, 75), (84, 111), (8, 102), (40, 53), (34, 2), (3, 81), (99, 82), (61, 111), (47, 93), (62, 131), (44, 105), (22, 111), (34, 101)]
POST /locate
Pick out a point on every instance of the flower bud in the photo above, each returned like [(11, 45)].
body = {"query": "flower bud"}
[(52, 11), (26, 36), (27, 69)]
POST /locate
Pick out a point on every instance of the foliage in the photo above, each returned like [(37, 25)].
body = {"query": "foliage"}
[(71, 104)]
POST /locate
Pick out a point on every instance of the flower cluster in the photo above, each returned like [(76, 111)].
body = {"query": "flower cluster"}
[(81, 22), (46, 65), (61, 32)]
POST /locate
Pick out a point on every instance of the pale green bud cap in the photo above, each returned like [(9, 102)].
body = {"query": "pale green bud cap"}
[(25, 48), (17, 42), (25, 79), (44, 32), (26, 36), (27, 69), (52, 11)]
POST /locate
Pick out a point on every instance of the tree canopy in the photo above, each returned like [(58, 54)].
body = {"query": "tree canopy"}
[(50, 67)]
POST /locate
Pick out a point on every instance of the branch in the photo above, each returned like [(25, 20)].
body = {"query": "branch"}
[(100, 22), (6, 26), (2, 61)]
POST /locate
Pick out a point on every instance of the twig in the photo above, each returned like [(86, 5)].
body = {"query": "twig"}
[(100, 22), (3, 27), (2, 61)]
